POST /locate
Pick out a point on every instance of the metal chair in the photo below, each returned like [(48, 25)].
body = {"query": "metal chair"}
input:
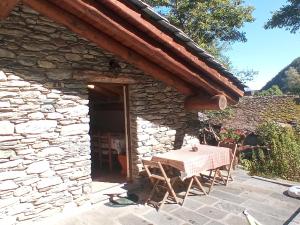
[(159, 179), (226, 168)]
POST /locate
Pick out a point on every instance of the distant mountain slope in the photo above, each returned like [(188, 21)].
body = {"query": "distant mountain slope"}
[(287, 79)]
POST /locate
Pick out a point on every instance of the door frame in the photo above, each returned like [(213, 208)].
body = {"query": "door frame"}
[(127, 132), (125, 82)]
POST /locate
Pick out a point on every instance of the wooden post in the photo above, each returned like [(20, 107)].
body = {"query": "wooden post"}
[(127, 132), (6, 6), (203, 102)]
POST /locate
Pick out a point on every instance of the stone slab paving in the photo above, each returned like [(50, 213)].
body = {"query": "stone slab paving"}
[(224, 206)]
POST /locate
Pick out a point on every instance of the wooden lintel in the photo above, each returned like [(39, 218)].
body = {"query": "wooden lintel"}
[(109, 44), (100, 77), (115, 90), (203, 102), (6, 6), (105, 91)]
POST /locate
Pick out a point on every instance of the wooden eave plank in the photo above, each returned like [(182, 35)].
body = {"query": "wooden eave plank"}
[(107, 43), (98, 16), (138, 21), (6, 6)]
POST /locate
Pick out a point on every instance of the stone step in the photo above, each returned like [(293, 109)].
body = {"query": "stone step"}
[(101, 196)]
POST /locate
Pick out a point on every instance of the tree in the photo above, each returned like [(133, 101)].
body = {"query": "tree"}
[(210, 23), (245, 75), (288, 79), (287, 17), (293, 80), (272, 91)]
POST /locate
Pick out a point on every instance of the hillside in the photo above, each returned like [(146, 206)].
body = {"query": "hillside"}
[(287, 79)]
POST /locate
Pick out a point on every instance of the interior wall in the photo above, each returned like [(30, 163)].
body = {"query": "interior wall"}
[(109, 121)]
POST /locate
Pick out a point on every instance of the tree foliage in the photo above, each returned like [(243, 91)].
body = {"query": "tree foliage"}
[(208, 22), (293, 80), (272, 91), (282, 156), (246, 75), (287, 17), (288, 79)]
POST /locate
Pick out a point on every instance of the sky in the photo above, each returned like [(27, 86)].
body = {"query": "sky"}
[(266, 51)]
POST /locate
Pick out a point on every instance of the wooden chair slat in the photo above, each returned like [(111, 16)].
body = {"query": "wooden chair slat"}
[(159, 181)]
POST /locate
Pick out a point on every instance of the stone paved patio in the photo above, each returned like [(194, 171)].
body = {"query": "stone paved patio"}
[(264, 200)]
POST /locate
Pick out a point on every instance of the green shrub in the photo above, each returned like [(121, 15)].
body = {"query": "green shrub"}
[(281, 155), (272, 91)]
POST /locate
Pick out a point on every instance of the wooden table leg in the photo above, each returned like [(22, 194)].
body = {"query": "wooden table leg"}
[(199, 185), (188, 189)]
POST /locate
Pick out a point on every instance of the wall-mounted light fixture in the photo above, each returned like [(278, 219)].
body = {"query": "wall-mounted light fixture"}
[(114, 66)]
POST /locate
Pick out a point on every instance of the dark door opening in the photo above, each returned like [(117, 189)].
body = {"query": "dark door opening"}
[(108, 135)]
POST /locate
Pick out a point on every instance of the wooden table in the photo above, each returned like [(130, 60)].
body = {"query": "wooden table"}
[(191, 163)]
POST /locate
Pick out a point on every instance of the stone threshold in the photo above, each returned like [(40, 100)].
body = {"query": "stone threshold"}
[(97, 197), (101, 195)]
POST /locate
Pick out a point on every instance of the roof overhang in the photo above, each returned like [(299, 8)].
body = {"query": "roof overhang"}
[(120, 27)]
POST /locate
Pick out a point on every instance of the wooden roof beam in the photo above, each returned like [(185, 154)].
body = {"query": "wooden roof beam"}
[(203, 102), (120, 6), (6, 6), (107, 43), (98, 16)]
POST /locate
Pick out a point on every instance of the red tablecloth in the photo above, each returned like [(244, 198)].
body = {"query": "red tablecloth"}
[(191, 163)]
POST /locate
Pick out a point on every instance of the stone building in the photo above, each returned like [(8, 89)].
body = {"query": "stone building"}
[(252, 111), (69, 70)]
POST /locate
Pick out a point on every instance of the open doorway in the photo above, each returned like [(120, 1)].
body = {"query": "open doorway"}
[(109, 148)]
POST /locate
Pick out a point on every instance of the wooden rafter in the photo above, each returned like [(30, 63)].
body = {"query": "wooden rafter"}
[(121, 7), (6, 6), (102, 19), (107, 43)]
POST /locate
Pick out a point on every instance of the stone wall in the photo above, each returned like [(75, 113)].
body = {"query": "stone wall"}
[(158, 120), (255, 110), (44, 121), (44, 150)]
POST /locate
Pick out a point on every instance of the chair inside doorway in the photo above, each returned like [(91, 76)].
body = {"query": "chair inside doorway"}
[(107, 132)]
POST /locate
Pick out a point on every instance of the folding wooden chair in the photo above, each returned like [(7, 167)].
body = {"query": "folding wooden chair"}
[(159, 179), (227, 168)]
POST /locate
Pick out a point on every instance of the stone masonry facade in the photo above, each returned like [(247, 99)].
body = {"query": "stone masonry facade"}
[(44, 116)]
